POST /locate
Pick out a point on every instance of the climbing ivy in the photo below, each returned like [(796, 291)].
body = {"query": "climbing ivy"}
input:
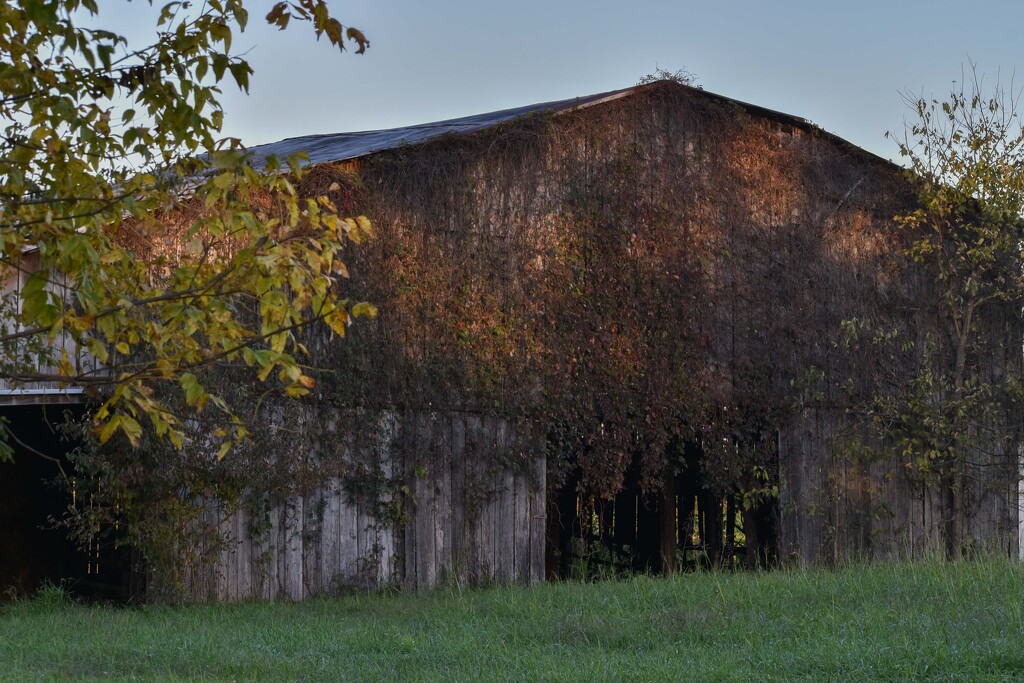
[(618, 281)]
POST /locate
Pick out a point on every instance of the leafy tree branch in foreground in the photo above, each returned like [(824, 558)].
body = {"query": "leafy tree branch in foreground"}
[(111, 150)]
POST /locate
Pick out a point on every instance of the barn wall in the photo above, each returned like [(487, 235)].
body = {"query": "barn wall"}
[(666, 268), (662, 267), (12, 281), (461, 507), (836, 508)]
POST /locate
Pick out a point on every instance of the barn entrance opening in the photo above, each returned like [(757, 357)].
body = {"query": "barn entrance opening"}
[(683, 527), (36, 490)]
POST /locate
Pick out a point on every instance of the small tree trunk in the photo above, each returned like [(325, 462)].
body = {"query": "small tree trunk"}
[(667, 525), (625, 523), (730, 529), (648, 536), (713, 527), (953, 511), (953, 476), (561, 526), (960, 512), (753, 543)]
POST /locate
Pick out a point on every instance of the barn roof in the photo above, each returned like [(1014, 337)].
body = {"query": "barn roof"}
[(344, 146)]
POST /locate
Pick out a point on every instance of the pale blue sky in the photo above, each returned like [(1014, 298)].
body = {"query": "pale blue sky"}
[(841, 65)]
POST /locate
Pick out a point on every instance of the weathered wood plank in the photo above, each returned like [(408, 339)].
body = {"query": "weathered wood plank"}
[(275, 558), (265, 550), (470, 519), (230, 555), (386, 554), (293, 565), (410, 548), (312, 541), (348, 540), (489, 516), (256, 537), (348, 521), (386, 572), (243, 549), (538, 522), (226, 573), (366, 543), (461, 531), (330, 537), (281, 551), (473, 498), (197, 563), (521, 510), (476, 479), (193, 549), (426, 506), (504, 556), (194, 567), (213, 552), (384, 447), (442, 482)]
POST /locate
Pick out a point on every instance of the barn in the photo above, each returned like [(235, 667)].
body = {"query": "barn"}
[(624, 332)]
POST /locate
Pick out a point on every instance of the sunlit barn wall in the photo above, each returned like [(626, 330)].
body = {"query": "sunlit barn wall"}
[(665, 266), (743, 239)]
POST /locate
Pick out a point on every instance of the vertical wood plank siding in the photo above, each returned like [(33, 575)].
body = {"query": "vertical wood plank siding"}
[(835, 510), (12, 280), (474, 512)]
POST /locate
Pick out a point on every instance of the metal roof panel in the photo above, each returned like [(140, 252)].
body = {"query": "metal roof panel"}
[(344, 146)]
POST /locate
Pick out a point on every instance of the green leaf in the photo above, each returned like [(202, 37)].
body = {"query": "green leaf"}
[(225, 448), (193, 389), (364, 310), (241, 72), (34, 297)]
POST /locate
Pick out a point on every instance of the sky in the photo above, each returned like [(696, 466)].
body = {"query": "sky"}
[(842, 65)]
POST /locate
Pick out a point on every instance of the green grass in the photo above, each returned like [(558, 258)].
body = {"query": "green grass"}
[(891, 622)]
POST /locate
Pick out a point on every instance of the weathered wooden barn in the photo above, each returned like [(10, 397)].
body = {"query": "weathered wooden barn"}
[(626, 331), (651, 292)]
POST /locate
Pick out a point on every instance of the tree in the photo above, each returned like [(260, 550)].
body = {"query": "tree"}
[(957, 417), (108, 145)]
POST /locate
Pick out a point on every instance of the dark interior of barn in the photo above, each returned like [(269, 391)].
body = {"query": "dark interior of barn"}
[(36, 489), (686, 526)]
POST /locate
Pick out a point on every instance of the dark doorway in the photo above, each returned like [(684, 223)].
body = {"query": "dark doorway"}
[(685, 526), (35, 490)]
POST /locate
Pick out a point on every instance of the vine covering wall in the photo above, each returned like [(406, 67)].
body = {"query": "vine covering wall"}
[(670, 267), (666, 273), (655, 268)]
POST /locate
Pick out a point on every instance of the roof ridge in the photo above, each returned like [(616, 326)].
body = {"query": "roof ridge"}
[(333, 147)]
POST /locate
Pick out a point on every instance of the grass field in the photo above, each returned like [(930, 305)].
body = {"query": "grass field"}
[(892, 622)]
